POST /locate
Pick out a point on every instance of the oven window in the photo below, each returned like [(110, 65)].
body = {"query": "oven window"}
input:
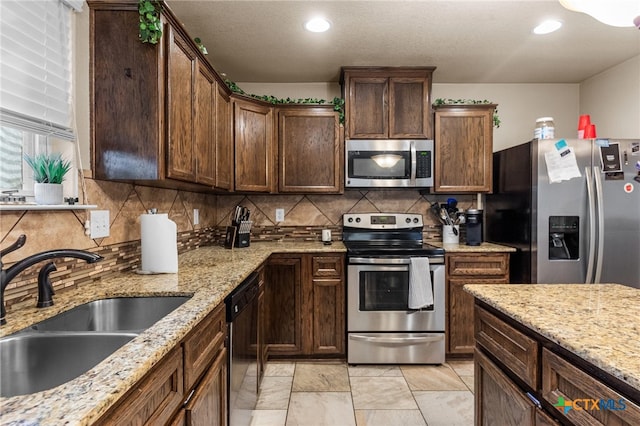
[(379, 164), (385, 290)]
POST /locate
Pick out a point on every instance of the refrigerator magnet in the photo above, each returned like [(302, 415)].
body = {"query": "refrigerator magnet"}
[(610, 158)]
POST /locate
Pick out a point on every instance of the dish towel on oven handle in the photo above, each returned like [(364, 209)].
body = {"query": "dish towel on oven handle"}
[(420, 292)]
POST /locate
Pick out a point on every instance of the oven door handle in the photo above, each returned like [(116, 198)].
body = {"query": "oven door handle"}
[(379, 261), (417, 339)]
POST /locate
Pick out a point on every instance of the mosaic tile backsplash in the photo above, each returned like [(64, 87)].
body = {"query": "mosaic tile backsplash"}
[(305, 217)]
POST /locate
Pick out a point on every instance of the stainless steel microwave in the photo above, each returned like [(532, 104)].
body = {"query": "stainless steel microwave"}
[(389, 163)]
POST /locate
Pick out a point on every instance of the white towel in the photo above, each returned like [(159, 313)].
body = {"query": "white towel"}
[(420, 292)]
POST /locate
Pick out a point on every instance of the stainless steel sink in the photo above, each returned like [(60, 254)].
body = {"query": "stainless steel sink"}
[(39, 361), (63, 347), (119, 314)]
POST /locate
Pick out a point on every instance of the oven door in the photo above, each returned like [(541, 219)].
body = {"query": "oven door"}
[(379, 163), (378, 294)]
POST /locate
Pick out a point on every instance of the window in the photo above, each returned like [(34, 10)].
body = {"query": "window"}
[(35, 88)]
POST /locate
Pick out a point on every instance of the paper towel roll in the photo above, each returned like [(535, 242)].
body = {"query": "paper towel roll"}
[(159, 244)]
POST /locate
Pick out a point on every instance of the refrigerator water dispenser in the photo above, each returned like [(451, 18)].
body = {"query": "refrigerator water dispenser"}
[(564, 237)]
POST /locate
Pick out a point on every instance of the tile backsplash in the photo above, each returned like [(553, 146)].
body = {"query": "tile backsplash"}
[(305, 217)]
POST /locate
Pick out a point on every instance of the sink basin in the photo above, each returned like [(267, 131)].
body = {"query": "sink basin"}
[(119, 314), (39, 361)]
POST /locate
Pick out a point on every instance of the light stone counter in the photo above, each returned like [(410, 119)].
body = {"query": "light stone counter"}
[(599, 323), (208, 273), (482, 248)]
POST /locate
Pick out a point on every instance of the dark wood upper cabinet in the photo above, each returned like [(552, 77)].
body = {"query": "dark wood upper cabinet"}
[(254, 146), (387, 102), (154, 115), (224, 140), (310, 150), (463, 148), (181, 72)]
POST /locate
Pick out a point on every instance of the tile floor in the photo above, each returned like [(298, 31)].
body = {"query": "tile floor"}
[(335, 394)]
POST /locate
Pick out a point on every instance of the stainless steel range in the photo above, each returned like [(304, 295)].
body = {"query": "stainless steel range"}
[(395, 291)]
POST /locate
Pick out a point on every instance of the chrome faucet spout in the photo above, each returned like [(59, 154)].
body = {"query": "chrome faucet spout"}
[(10, 273)]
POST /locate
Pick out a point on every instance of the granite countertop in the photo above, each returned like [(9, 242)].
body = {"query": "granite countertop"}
[(482, 248), (209, 274), (597, 322)]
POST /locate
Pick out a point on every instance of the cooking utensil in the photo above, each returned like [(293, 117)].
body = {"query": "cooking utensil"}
[(445, 216)]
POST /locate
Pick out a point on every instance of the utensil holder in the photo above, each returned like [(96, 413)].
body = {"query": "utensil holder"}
[(243, 234), (448, 237)]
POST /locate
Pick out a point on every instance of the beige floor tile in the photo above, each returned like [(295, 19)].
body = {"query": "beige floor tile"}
[(321, 377), (245, 397), (432, 377), (320, 409), (374, 371), (389, 417), (274, 393), (268, 418), (280, 369), (462, 368), (446, 408), (468, 380), (381, 393)]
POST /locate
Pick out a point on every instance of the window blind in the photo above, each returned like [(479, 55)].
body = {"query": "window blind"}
[(35, 66)]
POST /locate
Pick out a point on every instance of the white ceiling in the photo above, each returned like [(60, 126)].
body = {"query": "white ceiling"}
[(473, 41)]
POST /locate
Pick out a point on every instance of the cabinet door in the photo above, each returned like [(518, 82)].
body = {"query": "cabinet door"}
[(468, 269), (224, 141), (367, 108), (127, 98), (254, 150), (155, 399), (283, 305), (208, 405), (409, 108), (327, 305), (205, 131), (463, 149), (181, 69), (310, 150), (498, 401)]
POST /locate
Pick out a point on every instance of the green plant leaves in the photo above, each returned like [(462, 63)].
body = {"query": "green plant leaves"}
[(150, 28), (48, 168), (442, 101)]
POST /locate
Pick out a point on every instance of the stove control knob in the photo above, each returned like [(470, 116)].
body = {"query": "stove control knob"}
[(415, 220), (350, 220), (408, 220), (358, 219)]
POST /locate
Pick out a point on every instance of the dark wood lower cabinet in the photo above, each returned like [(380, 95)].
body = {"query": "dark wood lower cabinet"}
[(498, 401), (304, 305), (208, 405)]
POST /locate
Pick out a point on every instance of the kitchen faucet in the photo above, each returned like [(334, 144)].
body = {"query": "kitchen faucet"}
[(44, 285)]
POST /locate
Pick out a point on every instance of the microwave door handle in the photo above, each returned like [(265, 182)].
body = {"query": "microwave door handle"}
[(413, 163)]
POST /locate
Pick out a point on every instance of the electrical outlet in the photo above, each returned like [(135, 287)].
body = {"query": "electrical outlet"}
[(279, 215), (196, 216), (99, 223)]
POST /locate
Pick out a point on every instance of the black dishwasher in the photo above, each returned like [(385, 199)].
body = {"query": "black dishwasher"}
[(243, 383)]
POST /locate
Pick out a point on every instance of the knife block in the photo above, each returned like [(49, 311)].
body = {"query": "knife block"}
[(243, 234)]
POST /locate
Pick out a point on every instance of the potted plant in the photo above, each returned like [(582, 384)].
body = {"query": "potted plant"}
[(48, 173)]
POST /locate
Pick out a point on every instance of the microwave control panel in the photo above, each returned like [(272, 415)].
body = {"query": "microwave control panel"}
[(423, 164)]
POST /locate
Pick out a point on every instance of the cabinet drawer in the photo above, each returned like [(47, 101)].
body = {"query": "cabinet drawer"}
[(155, 399), (495, 265), (327, 266), (587, 395), (518, 352), (201, 346)]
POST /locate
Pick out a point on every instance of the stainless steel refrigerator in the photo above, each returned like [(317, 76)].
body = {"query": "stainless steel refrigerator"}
[(585, 229)]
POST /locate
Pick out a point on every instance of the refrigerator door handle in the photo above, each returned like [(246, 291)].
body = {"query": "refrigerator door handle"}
[(592, 227), (597, 177)]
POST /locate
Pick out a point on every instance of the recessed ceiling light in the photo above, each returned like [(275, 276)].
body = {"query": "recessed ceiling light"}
[(547, 27), (317, 25)]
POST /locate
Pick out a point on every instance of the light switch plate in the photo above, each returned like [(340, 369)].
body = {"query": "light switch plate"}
[(279, 215), (99, 223)]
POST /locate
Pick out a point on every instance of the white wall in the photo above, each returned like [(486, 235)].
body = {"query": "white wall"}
[(612, 99)]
